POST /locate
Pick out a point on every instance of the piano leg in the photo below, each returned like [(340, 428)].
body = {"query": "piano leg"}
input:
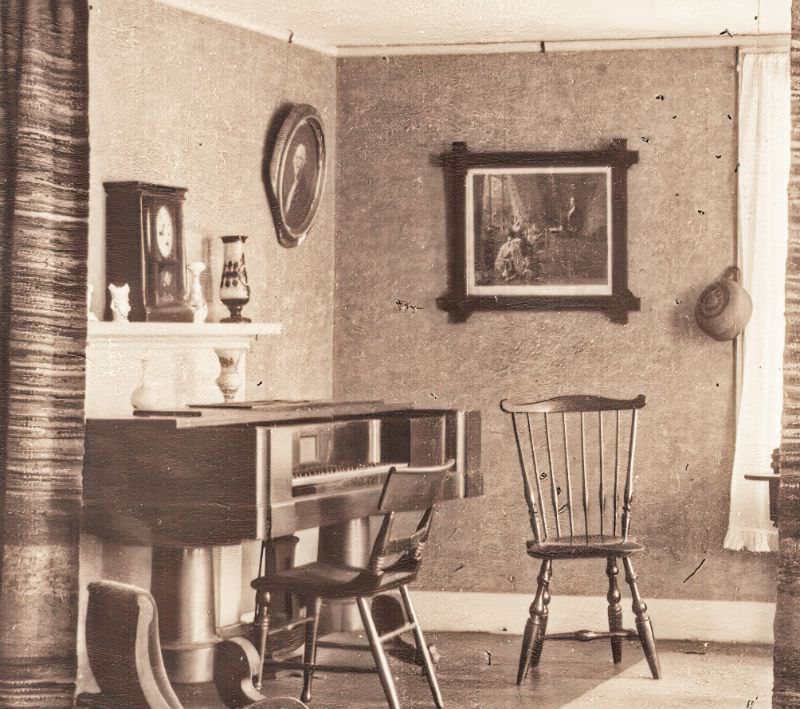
[(183, 586), (343, 543)]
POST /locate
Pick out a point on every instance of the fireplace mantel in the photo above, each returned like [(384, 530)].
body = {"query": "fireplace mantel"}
[(186, 362)]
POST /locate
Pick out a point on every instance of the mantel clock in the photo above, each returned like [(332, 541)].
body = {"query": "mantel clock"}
[(144, 248)]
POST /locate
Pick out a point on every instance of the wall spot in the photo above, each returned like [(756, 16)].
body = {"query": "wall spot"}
[(405, 306), (697, 568)]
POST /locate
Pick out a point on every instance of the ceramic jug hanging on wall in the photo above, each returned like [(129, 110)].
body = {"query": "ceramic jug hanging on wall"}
[(724, 307)]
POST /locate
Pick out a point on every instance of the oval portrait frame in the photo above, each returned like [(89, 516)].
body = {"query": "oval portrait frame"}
[(297, 173)]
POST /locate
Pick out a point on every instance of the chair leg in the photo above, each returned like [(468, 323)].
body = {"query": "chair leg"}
[(536, 625), (310, 650), (262, 625), (384, 671), (527, 646), (614, 608), (643, 625), (538, 642), (422, 648)]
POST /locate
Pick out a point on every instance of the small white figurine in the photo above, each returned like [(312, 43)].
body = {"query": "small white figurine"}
[(120, 302), (195, 300), (89, 314)]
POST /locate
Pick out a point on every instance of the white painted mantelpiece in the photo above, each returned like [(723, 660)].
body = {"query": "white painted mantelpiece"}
[(182, 362)]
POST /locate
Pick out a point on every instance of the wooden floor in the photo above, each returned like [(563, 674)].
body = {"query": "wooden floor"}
[(478, 671)]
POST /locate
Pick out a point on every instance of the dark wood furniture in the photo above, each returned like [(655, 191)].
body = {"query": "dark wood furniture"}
[(393, 564), (145, 249), (255, 472), (576, 454), (124, 651)]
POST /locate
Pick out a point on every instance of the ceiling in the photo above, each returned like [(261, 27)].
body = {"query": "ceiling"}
[(334, 26)]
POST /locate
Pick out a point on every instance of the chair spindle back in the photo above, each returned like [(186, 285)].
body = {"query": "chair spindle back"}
[(577, 479)]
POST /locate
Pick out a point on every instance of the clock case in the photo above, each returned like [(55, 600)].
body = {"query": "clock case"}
[(132, 254)]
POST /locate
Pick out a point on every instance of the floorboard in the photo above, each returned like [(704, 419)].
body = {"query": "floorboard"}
[(478, 671)]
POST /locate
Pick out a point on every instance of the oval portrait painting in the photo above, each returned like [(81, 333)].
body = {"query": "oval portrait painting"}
[(297, 173)]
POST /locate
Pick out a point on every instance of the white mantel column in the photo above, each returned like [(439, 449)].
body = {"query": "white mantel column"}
[(183, 362)]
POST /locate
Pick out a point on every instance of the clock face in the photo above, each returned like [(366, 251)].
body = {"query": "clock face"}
[(165, 232)]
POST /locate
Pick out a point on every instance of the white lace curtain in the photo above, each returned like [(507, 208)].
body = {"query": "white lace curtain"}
[(764, 128)]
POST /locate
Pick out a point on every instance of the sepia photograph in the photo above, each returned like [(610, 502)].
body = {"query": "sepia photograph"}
[(362, 354)]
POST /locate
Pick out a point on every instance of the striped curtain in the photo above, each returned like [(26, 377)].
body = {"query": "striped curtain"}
[(786, 686), (44, 172)]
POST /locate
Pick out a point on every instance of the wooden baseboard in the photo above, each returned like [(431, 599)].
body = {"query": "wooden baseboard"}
[(673, 619)]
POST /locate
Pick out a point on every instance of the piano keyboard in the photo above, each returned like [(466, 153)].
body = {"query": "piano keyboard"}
[(314, 480)]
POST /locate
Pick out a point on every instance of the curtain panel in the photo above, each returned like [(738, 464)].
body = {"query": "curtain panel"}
[(44, 173), (764, 125), (786, 665)]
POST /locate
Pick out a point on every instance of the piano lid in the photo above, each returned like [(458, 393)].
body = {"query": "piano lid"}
[(265, 412)]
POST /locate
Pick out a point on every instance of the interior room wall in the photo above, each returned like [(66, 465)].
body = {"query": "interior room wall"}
[(677, 107), (179, 99)]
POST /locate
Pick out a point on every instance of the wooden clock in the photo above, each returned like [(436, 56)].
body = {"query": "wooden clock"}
[(144, 248)]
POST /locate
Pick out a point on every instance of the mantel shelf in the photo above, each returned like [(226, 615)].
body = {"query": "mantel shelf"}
[(184, 363), (181, 334)]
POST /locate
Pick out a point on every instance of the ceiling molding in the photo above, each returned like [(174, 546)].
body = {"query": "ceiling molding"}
[(766, 42), (378, 50)]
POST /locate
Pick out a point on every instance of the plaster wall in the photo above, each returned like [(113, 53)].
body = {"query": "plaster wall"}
[(394, 114), (180, 99)]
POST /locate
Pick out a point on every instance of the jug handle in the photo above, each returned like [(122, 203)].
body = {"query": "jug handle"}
[(732, 273)]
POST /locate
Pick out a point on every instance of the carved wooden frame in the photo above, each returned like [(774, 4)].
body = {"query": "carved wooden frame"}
[(462, 297)]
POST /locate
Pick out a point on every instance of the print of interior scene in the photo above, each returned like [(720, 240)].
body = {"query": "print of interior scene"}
[(545, 228)]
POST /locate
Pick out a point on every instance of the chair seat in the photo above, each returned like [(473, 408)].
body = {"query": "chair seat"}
[(583, 547), (320, 579)]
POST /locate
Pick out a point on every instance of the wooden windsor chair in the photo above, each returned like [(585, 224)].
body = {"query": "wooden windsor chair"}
[(578, 485), (393, 563)]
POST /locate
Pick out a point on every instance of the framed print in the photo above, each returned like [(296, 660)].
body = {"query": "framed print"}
[(538, 230), (296, 173)]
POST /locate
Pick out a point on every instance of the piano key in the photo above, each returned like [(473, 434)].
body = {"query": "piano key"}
[(334, 474)]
